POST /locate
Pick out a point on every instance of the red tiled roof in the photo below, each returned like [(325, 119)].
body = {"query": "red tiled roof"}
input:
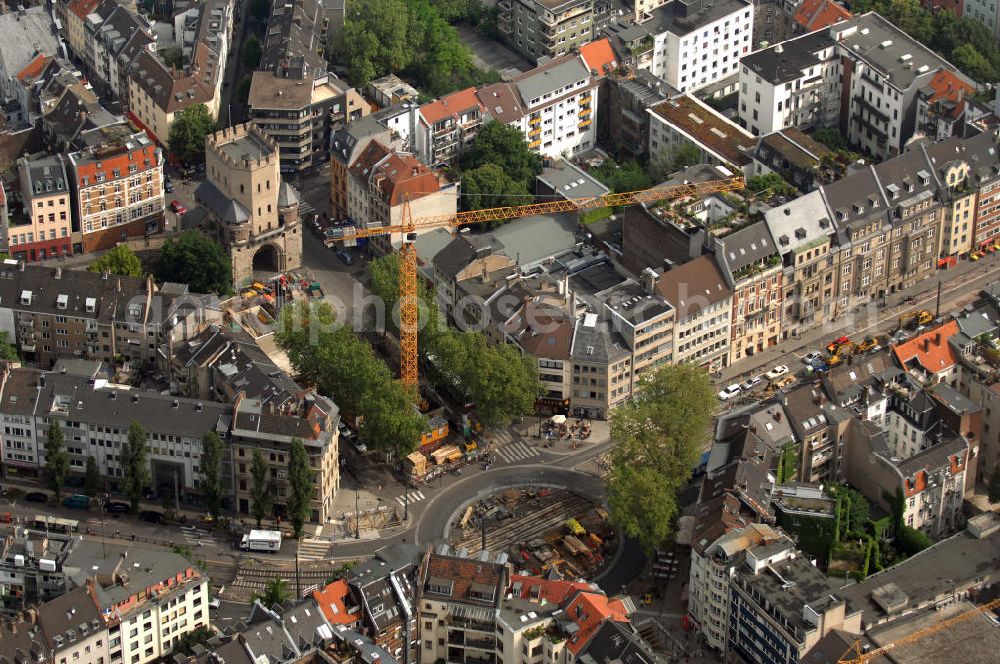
[(931, 349), (34, 68), (450, 105), (946, 86), (598, 55), (464, 573), (395, 175), (332, 601), (589, 611), (555, 591), (815, 15), (82, 8), (120, 161)]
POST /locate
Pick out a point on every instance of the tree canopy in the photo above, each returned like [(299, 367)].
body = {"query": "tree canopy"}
[(770, 184), (301, 487), (660, 436), (410, 38), (489, 186), (503, 145), (188, 132), (196, 260), (252, 52), (172, 56), (91, 477), (627, 176), (260, 488), (211, 472), (134, 453), (118, 260), (346, 368), (56, 458), (8, 351), (994, 485)]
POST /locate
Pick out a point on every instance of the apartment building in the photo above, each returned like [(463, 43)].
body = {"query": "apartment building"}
[(684, 121), (932, 481), (806, 240), (251, 211), (537, 29), (41, 228), (382, 180), (28, 32), (984, 153), (792, 84), (383, 592), (117, 183), (781, 606), (553, 105), (816, 434), (347, 143), (293, 98), (447, 125), (703, 307), (945, 107), (257, 427), (713, 564), (149, 599), (115, 36), (156, 96), (800, 160), (952, 169), (750, 262), (986, 12), (73, 15), (697, 43), (623, 117)]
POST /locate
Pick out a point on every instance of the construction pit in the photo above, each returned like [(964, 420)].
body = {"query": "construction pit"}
[(541, 529)]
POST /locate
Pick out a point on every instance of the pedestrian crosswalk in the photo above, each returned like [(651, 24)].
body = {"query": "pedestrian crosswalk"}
[(518, 451), (198, 537), (415, 496), (306, 210), (313, 549)]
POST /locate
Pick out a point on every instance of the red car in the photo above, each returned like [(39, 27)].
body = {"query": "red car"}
[(177, 207)]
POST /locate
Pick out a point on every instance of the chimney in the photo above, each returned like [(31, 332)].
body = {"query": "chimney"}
[(649, 279), (927, 344)]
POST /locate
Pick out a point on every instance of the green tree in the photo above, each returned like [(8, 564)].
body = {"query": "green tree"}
[(275, 592), (134, 454), (56, 458), (300, 480), (185, 645), (502, 382), (243, 89), (211, 471), (911, 541), (770, 184), (92, 478), (8, 351), (198, 261), (503, 145), (967, 58), (627, 176), (251, 52), (260, 489), (172, 56), (489, 186), (659, 437), (667, 162), (260, 9), (188, 131), (118, 260), (384, 282), (994, 486)]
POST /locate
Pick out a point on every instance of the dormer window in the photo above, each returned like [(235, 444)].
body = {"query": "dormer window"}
[(893, 191), (62, 301), (91, 304), (26, 297)]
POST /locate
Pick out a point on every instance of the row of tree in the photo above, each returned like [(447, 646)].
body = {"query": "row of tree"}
[(410, 38), (965, 42), (501, 382), (499, 169), (191, 258)]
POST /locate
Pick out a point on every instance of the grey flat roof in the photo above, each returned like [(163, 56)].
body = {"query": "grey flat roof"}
[(551, 78), (248, 146), (570, 181)]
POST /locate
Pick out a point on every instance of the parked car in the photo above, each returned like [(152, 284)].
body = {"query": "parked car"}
[(168, 186), (729, 392), (359, 447), (345, 256), (751, 383), (811, 357), (177, 207), (777, 372), (77, 501), (36, 497), (116, 507), (152, 516)]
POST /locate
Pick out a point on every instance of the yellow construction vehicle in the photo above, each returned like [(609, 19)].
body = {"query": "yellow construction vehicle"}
[(856, 655), (916, 317), (410, 227)]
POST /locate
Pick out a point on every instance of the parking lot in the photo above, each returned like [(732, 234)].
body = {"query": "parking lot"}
[(489, 54)]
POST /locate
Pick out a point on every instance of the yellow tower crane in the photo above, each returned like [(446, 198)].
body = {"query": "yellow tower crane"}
[(409, 228), (854, 654)]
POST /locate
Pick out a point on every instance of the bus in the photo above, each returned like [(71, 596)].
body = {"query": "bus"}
[(54, 524)]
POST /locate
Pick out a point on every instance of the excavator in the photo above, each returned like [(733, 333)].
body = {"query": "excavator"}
[(915, 318)]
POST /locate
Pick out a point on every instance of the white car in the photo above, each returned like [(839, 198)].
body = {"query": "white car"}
[(729, 392), (752, 383), (777, 372), (812, 356)]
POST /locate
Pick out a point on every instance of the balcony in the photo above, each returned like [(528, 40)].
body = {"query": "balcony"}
[(535, 120), (535, 132), (534, 144), (585, 100), (584, 124)]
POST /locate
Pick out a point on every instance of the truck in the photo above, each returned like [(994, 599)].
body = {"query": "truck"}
[(268, 541)]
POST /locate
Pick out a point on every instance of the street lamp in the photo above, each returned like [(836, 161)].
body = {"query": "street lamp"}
[(357, 516)]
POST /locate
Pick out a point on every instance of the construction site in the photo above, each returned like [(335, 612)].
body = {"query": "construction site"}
[(542, 530)]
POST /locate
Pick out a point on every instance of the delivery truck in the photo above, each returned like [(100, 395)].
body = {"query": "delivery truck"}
[(268, 541)]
